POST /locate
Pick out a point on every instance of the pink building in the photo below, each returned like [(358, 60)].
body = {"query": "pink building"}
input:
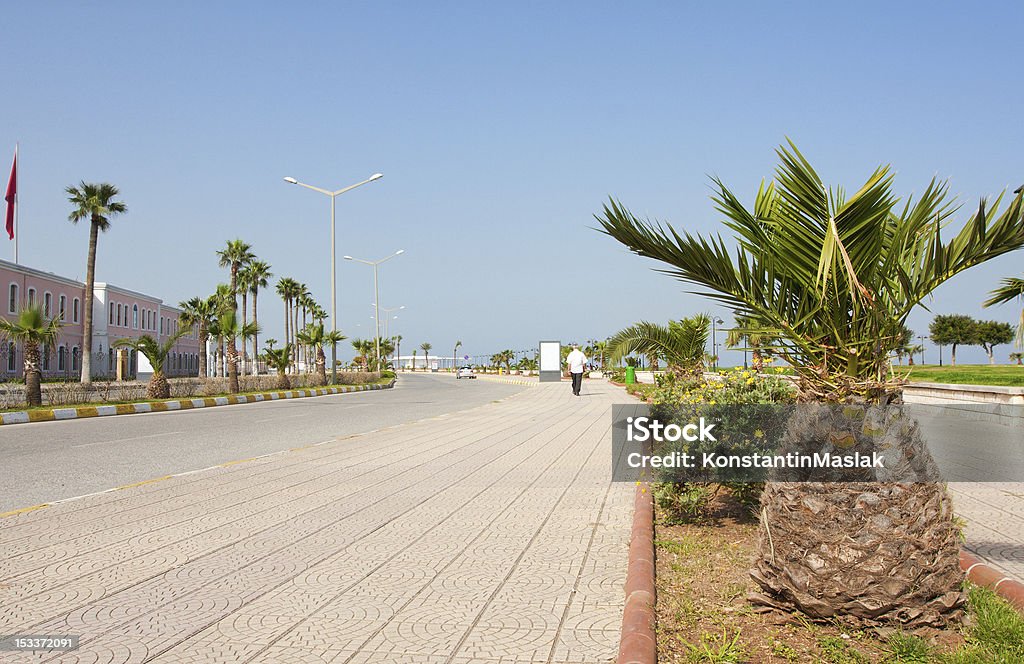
[(117, 313)]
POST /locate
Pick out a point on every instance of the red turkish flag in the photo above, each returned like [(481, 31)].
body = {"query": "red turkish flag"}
[(12, 192)]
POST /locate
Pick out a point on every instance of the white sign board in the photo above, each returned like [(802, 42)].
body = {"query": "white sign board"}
[(550, 361)]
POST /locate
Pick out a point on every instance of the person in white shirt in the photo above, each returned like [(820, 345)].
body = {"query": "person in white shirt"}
[(576, 361)]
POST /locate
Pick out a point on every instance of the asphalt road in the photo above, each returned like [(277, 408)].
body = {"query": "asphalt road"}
[(49, 461)]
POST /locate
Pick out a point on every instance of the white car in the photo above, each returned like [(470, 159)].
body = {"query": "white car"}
[(465, 372)]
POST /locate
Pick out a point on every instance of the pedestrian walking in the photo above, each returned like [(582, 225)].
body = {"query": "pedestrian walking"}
[(576, 361)]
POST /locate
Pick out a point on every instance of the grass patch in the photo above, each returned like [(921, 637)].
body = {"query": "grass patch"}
[(1001, 375)]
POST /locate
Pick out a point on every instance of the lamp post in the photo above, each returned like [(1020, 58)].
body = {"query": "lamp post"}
[(334, 279), (376, 292), (922, 338), (714, 342)]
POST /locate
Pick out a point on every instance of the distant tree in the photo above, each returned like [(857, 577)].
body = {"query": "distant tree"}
[(1017, 357), (426, 346), (315, 337), (200, 312), (953, 330), (991, 333)]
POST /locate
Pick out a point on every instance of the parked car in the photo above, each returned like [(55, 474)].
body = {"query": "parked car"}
[(465, 372)]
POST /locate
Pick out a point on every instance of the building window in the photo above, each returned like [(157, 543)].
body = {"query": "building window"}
[(119, 314), (62, 360), (74, 358), (135, 316), (74, 311), (161, 325), (47, 304), (12, 304), (12, 352), (63, 306), (46, 358), (111, 313), (31, 296)]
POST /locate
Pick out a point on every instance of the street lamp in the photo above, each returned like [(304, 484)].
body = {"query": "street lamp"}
[(714, 342), (376, 292), (334, 278), (922, 338)]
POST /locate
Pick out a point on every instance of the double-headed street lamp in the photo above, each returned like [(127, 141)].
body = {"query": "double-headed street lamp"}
[(334, 277), (387, 318), (714, 341), (376, 292)]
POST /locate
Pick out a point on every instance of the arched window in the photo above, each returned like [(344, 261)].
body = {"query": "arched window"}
[(135, 316), (46, 358), (12, 302), (63, 305), (74, 311), (161, 325), (110, 363), (12, 356), (62, 359), (118, 314), (31, 296), (47, 304), (74, 358), (112, 313)]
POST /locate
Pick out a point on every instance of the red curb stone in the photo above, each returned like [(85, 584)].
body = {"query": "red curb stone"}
[(982, 574), (637, 644)]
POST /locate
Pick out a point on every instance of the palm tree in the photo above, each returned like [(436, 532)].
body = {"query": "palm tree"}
[(1017, 357), (157, 354), (235, 255), (221, 302), (747, 333), (681, 343), (426, 355), (315, 337), (199, 313), (398, 348), (1012, 289), (279, 360), (414, 359), (455, 356), (231, 328), (836, 277), (96, 203), (257, 274), (33, 332), (271, 342)]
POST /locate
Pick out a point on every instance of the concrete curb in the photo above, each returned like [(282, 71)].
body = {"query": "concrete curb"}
[(980, 573), (79, 412), (510, 380), (638, 644)]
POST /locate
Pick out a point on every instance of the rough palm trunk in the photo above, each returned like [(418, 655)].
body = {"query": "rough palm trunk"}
[(758, 360), (219, 369), (321, 365), (204, 338), (232, 347), (953, 360), (158, 387), (282, 380), (245, 304), (255, 339), (866, 546), (33, 391), (287, 321), (90, 281)]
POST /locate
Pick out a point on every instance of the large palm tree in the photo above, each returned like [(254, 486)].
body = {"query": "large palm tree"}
[(96, 203), (234, 256), (1012, 288), (680, 343), (33, 332), (231, 328), (200, 313), (315, 337), (157, 353), (221, 302), (835, 277), (426, 355), (257, 274), (285, 287)]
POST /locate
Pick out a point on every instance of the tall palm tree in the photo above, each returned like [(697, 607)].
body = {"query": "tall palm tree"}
[(426, 355), (285, 286), (413, 359), (836, 277), (258, 275), (1012, 288), (233, 256), (455, 355), (33, 332), (231, 328), (96, 203), (398, 349), (222, 301), (157, 354), (315, 337), (681, 343), (200, 313)]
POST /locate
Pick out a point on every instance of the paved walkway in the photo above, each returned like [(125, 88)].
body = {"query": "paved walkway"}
[(491, 535), (994, 513)]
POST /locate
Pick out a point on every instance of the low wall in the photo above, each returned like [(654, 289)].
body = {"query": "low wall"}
[(944, 393)]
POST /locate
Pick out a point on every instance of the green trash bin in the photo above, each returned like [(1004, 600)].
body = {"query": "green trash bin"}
[(630, 375)]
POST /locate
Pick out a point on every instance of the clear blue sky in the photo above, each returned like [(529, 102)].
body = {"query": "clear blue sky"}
[(500, 130)]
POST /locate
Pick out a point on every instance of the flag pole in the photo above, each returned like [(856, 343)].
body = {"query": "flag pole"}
[(17, 206)]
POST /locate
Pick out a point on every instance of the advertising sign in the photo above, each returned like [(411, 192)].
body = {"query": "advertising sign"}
[(550, 361)]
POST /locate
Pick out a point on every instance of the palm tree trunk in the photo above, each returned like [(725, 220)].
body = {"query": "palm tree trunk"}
[(33, 391), (295, 333), (219, 353), (90, 281), (245, 304), (158, 387), (255, 338), (321, 365), (232, 348), (204, 338), (287, 321), (954, 355)]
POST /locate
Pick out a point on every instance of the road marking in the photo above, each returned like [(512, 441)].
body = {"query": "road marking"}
[(124, 440), (282, 417)]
